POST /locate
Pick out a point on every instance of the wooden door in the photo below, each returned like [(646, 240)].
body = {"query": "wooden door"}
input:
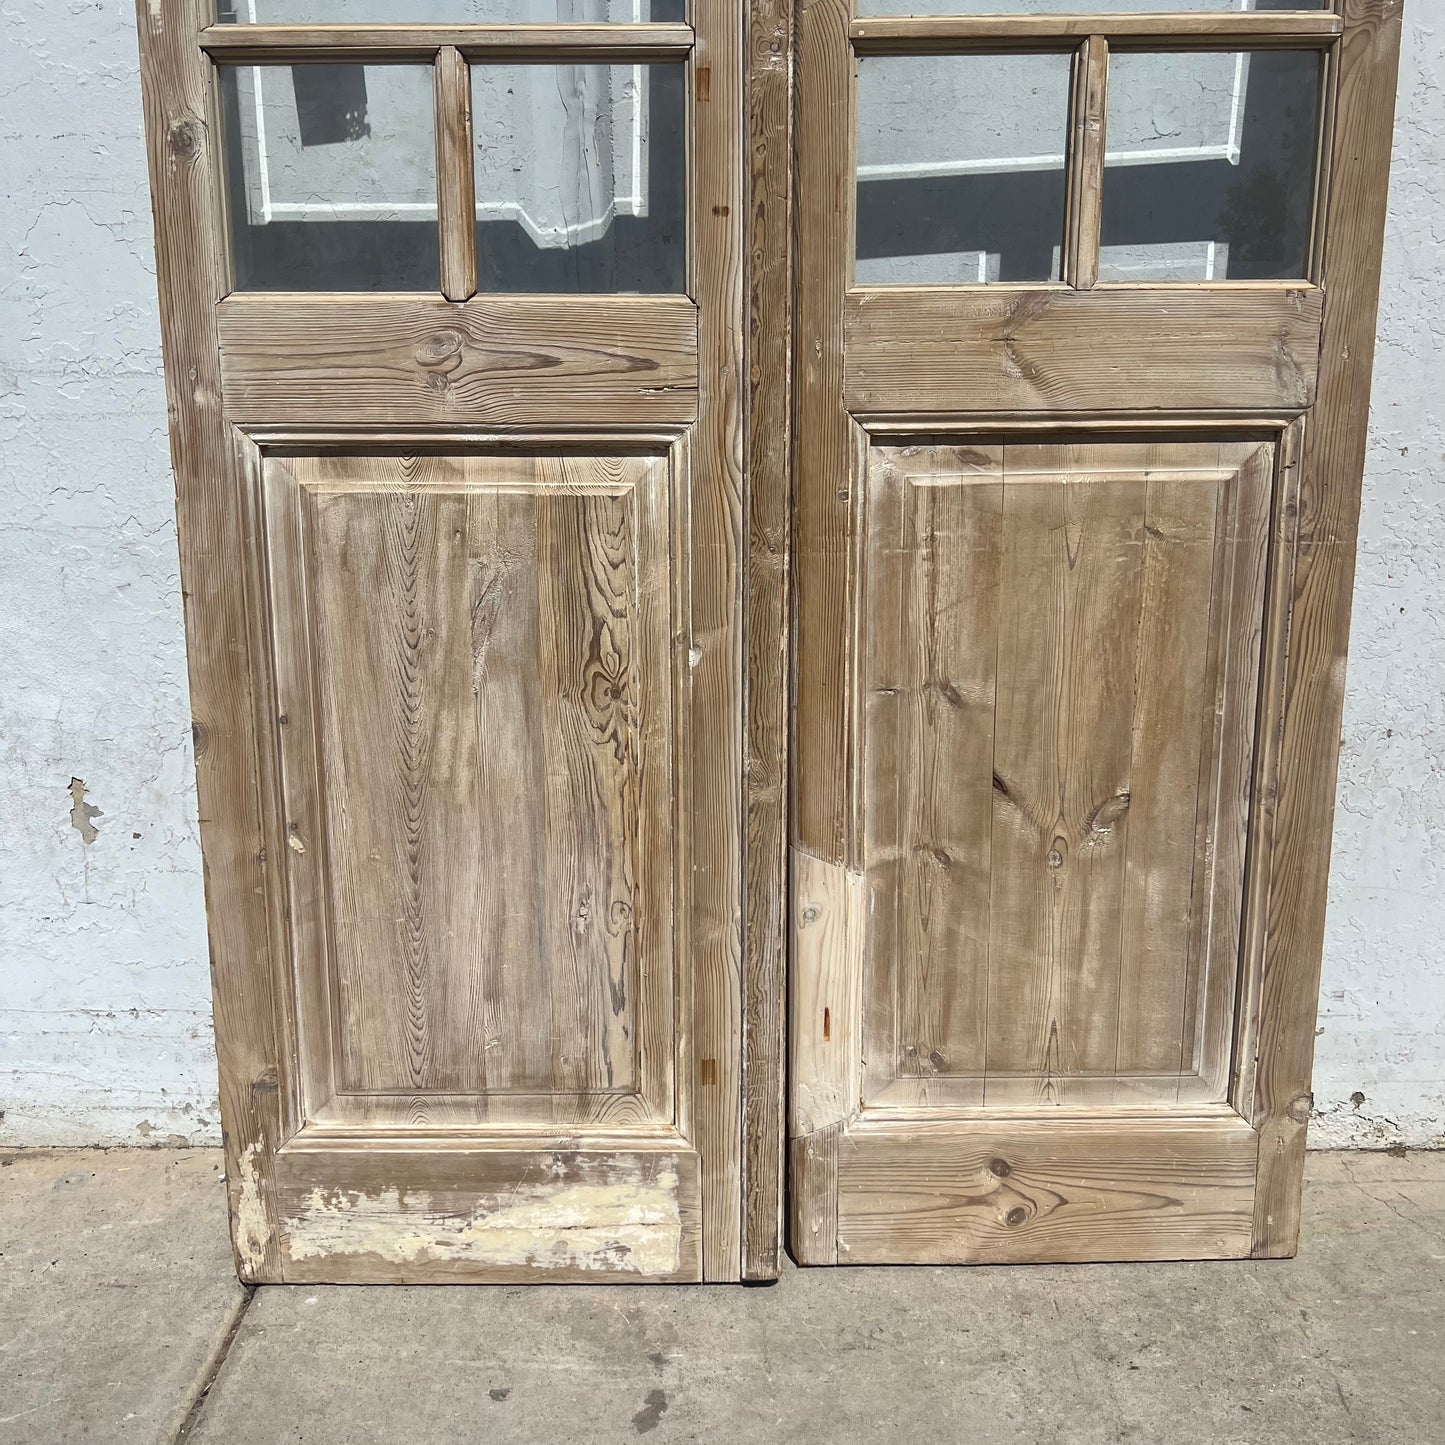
[(1085, 322), (452, 317)]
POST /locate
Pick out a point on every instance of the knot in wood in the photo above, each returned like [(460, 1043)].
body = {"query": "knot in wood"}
[(1016, 1216), (999, 1168), (186, 139), (442, 350)]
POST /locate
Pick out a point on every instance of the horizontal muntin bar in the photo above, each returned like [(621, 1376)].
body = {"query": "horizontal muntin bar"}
[(292, 44), (924, 34)]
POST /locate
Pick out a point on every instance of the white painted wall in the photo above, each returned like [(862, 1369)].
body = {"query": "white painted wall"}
[(104, 994)]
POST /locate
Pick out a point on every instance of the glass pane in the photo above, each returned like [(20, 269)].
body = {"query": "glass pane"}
[(1070, 7), (580, 175), (1210, 166), (331, 177), (444, 12), (961, 168)]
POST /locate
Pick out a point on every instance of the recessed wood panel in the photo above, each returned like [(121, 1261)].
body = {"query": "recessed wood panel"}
[(475, 722), (1060, 658)]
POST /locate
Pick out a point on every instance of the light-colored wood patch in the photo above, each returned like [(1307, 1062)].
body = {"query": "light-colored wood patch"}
[(630, 1225)]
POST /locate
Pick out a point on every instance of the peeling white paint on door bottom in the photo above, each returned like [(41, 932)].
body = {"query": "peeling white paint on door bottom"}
[(632, 1226), (251, 1228)]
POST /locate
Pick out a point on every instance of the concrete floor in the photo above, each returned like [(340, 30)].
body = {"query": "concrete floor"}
[(117, 1308)]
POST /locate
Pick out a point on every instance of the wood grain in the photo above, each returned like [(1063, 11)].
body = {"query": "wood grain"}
[(768, 433), (1086, 170), (404, 1214), (920, 350), (1060, 648), (716, 697), (823, 484), (1062, 1192), (600, 43), (492, 361), (485, 823), (456, 190), (922, 34), (1331, 466), (823, 1000), (212, 523)]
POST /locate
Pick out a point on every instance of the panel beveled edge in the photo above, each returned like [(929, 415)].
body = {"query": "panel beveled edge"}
[(1263, 462), (960, 350), (387, 359), (314, 1102)]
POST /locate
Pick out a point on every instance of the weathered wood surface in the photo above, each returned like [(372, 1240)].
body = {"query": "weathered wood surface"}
[(456, 190), (402, 1214), (921, 34), (601, 43), (768, 434), (214, 538), (1036, 1192), (492, 361), (1115, 348), (1060, 653), (1298, 822), (474, 678), (715, 673), (823, 455)]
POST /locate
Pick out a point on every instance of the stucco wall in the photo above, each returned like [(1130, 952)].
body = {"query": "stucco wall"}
[(104, 994)]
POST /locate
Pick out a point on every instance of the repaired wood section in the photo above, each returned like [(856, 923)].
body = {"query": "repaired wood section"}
[(1115, 348), (493, 361)]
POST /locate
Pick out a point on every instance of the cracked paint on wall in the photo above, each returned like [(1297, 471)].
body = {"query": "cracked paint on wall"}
[(105, 1024)]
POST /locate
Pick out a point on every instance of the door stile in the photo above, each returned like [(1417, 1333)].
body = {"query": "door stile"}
[(212, 528), (715, 676), (1331, 471), (768, 431)]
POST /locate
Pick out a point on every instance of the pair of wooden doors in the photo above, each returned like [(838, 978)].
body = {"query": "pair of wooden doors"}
[(530, 367)]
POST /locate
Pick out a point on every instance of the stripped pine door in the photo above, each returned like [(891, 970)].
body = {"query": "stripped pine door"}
[(460, 530), (1085, 317)]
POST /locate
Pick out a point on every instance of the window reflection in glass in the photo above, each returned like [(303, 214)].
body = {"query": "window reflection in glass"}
[(1210, 166), (579, 174), (331, 177), (961, 168)]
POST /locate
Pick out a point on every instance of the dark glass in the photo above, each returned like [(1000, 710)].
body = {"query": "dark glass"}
[(580, 177), (331, 177), (961, 168), (1210, 165)]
